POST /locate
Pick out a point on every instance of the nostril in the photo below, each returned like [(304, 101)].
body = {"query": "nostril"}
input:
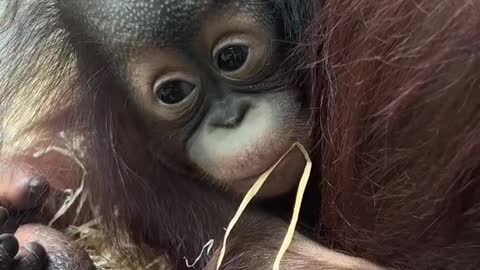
[(230, 115), (241, 111)]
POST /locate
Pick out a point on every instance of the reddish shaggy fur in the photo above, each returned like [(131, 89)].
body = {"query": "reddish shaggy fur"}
[(399, 91), (396, 85)]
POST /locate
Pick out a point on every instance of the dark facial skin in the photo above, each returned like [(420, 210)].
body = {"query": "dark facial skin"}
[(209, 80)]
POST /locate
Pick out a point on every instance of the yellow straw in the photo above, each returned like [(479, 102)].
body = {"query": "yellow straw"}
[(296, 211)]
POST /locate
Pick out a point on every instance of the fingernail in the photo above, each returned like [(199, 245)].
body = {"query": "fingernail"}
[(38, 188), (9, 243), (32, 256), (37, 249)]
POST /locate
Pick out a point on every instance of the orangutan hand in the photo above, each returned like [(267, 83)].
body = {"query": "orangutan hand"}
[(38, 247), (22, 193), (32, 247)]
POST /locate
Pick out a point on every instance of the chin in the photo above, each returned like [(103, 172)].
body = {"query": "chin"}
[(282, 180)]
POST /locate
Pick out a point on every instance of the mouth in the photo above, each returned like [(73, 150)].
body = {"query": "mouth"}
[(254, 170), (282, 179), (251, 171), (240, 171), (246, 182)]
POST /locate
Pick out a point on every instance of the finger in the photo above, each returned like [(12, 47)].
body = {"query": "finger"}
[(8, 246), (3, 216), (38, 189), (62, 252), (6, 261), (8, 249), (21, 191), (31, 257)]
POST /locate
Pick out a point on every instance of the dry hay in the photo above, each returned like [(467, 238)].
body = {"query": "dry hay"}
[(89, 235), (102, 254), (104, 257), (296, 210)]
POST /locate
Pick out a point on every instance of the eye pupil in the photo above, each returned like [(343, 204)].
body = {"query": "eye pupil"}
[(232, 57), (173, 92)]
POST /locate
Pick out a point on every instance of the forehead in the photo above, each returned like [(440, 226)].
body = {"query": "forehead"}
[(153, 21)]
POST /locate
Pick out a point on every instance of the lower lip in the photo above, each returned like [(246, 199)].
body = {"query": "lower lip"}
[(254, 177), (247, 179)]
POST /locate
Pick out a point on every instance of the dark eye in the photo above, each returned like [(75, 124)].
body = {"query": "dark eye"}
[(174, 91), (232, 57)]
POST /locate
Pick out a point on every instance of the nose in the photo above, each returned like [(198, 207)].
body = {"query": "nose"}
[(229, 113)]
